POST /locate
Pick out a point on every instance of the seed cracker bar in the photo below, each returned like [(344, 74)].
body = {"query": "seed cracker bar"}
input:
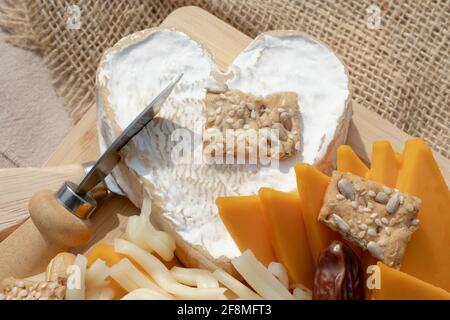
[(243, 113), (376, 218)]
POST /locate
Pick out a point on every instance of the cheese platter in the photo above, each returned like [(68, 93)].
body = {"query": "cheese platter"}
[(352, 136)]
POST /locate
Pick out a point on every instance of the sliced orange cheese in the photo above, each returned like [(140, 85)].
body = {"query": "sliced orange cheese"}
[(312, 185), (105, 252), (427, 256), (384, 165), (247, 224), (284, 213), (348, 161), (397, 285)]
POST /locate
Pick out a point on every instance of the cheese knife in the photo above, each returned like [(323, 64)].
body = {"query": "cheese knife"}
[(60, 220)]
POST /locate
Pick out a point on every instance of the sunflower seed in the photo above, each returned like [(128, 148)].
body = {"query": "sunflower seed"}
[(346, 189), (286, 121), (211, 120), (415, 222), (340, 223), (375, 250), (372, 232), (371, 193), (392, 205), (281, 131), (381, 197), (218, 121)]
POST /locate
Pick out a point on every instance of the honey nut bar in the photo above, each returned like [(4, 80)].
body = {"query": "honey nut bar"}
[(20, 289), (244, 114), (370, 215)]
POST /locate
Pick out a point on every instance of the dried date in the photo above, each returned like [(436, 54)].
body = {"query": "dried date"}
[(339, 274)]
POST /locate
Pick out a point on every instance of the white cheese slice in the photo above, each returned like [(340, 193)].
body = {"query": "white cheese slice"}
[(183, 194)]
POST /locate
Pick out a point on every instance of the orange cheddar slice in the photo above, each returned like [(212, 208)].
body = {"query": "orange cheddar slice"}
[(284, 213), (105, 252), (247, 224), (397, 285), (427, 256), (312, 185), (348, 161), (384, 165)]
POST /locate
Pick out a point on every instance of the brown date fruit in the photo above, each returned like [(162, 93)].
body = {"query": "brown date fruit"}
[(339, 274)]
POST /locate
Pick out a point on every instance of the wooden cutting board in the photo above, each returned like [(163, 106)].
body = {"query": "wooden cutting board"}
[(225, 43)]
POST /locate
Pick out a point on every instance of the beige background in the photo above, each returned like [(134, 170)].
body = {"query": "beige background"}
[(32, 119)]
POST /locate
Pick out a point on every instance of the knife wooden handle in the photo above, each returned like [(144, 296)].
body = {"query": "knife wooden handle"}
[(17, 186), (50, 230)]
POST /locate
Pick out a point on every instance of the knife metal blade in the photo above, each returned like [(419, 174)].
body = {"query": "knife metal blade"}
[(111, 156)]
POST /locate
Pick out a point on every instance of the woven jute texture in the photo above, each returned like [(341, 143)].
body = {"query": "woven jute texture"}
[(399, 68)]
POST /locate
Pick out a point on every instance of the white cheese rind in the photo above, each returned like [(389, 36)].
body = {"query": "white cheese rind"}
[(292, 62), (139, 66)]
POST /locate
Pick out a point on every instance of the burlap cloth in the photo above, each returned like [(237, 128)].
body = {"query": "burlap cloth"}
[(400, 70)]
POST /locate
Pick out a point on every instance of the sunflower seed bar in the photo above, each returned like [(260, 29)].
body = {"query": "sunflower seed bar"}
[(243, 114), (19, 289), (376, 218)]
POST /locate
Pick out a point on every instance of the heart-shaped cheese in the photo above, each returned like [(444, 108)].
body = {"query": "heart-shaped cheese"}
[(133, 71)]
